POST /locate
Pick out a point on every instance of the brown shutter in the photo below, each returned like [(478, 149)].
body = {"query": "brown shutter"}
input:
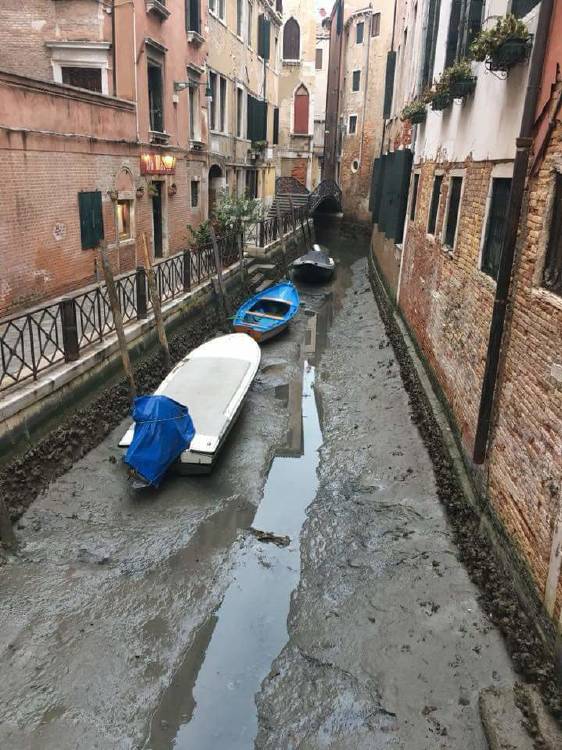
[(301, 111)]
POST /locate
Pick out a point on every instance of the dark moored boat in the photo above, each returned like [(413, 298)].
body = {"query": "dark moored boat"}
[(316, 266)]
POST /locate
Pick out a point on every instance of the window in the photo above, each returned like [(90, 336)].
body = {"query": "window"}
[(430, 41), (213, 80), (455, 191), (91, 219), (222, 104), (239, 111), (193, 15), (84, 78), (194, 110), (291, 40), (251, 183), (239, 16), (414, 200), (275, 126), (124, 210), (356, 80), (250, 19), (217, 7), (375, 24), (453, 33), (302, 104), (194, 193), (155, 102), (552, 275), (359, 32), (520, 8), (352, 124), (495, 228), (264, 37), (319, 58), (434, 207)]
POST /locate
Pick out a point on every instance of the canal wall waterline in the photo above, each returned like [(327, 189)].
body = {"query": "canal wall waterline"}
[(487, 551)]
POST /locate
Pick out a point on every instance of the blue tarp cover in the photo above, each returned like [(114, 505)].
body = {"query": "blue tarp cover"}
[(163, 430)]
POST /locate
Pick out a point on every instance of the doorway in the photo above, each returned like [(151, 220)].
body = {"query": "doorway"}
[(217, 182), (157, 228)]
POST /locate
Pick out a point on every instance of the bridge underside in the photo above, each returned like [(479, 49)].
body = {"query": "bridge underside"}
[(329, 205)]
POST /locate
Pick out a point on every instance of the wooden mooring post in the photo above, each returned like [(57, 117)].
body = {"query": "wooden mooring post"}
[(156, 307), (281, 235), (218, 265), (117, 318)]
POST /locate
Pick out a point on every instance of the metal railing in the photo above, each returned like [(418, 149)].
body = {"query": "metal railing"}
[(59, 331), (267, 231)]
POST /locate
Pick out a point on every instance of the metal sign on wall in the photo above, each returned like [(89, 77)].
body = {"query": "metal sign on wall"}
[(158, 164)]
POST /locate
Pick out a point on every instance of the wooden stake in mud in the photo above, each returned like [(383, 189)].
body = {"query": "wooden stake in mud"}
[(281, 235), (240, 243), (155, 299), (7, 536), (293, 214), (218, 265), (117, 318)]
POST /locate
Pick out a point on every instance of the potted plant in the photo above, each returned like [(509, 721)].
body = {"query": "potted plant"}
[(140, 191), (414, 112), (504, 45), (439, 97), (459, 79), (172, 189)]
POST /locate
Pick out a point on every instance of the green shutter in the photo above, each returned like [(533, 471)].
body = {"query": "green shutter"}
[(264, 36), (394, 185), (377, 188), (389, 84), (276, 126), (91, 219)]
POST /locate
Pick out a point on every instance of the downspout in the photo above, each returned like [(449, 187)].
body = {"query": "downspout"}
[(503, 283), (365, 92), (113, 50)]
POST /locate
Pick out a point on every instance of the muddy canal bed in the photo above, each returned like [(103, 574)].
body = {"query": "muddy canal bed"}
[(169, 620)]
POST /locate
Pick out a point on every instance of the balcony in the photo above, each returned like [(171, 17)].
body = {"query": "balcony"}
[(158, 8)]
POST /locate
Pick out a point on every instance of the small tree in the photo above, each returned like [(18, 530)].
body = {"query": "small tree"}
[(233, 211)]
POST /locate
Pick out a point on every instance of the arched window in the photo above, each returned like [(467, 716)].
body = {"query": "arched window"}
[(302, 104), (291, 40)]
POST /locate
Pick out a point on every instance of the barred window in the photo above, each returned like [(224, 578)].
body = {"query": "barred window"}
[(495, 229), (552, 275), (455, 190)]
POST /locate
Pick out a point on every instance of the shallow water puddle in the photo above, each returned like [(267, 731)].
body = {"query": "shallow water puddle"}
[(210, 703)]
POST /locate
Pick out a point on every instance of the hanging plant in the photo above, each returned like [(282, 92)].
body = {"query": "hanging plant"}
[(172, 189), (459, 79), (439, 96), (140, 191), (414, 112), (504, 45)]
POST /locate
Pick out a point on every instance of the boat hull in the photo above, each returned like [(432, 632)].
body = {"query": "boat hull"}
[(268, 313), (313, 274), (261, 336)]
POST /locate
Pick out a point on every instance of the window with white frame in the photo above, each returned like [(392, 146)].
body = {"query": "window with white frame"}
[(194, 111), (453, 210), (249, 22), (356, 80), (352, 128), (359, 32), (81, 64), (217, 8), (240, 107), (239, 17)]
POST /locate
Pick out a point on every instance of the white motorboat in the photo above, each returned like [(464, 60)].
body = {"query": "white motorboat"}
[(212, 382)]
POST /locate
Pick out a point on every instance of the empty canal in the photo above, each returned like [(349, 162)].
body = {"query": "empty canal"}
[(169, 620)]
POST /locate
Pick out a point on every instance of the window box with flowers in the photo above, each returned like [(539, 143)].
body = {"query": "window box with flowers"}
[(504, 45), (414, 112), (439, 96), (460, 80)]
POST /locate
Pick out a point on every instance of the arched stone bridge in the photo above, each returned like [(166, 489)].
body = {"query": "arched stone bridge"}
[(289, 190)]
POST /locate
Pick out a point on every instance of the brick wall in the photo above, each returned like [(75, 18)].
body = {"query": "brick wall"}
[(525, 457), (40, 192), (445, 297)]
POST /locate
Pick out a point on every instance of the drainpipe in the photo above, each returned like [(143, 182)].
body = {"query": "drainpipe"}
[(366, 86), (503, 283), (113, 51)]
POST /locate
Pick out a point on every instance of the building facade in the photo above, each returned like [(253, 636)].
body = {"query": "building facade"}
[(440, 198), (244, 64), (298, 95), (360, 37), (103, 131)]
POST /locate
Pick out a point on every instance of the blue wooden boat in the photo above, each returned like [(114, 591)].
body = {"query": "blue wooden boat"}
[(268, 313)]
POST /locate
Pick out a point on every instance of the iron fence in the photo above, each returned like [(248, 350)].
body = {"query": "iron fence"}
[(267, 231), (60, 331)]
